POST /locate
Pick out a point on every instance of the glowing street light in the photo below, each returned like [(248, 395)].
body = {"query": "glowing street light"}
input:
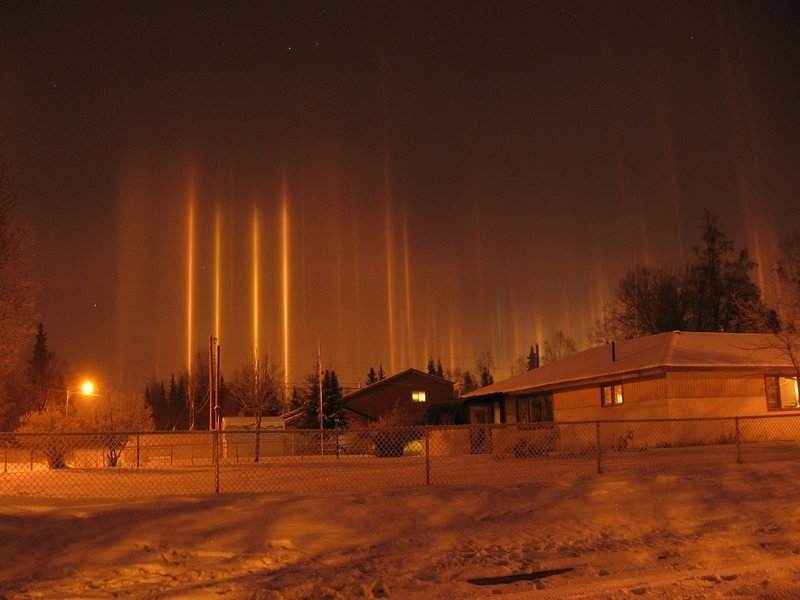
[(86, 388)]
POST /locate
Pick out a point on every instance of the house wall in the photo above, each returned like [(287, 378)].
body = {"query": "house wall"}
[(712, 394), (392, 398), (675, 395), (644, 399)]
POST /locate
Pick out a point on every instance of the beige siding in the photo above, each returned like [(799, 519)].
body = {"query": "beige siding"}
[(711, 384), (576, 399), (644, 399), (716, 394), (645, 390)]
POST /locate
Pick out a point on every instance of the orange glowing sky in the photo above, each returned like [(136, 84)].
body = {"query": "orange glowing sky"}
[(405, 181)]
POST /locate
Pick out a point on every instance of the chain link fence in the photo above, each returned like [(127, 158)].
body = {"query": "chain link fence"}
[(124, 464)]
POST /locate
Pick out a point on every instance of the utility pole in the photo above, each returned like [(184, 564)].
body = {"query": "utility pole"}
[(211, 379), (319, 375), (190, 391), (217, 415)]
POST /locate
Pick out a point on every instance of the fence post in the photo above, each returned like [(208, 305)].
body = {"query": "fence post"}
[(427, 455), (216, 442), (137, 449), (599, 451), (738, 444)]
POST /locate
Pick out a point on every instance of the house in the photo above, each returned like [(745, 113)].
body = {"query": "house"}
[(674, 375), (403, 398), (664, 376)]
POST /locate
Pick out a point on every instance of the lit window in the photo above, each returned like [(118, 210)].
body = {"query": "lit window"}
[(418, 396), (782, 393), (611, 395)]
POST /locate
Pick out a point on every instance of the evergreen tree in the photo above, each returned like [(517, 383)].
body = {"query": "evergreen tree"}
[(177, 401), (333, 415), (381, 374), (431, 367), (295, 398), (533, 358), (39, 363), (311, 400), (156, 398), (372, 376), (43, 375), (485, 366), (439, 370), (32, 384), (469, 384)]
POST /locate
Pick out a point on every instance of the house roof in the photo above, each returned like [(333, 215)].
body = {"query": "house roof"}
[(393, 378), (671, 350)]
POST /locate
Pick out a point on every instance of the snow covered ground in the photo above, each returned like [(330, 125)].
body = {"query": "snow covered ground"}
[(730, 532)]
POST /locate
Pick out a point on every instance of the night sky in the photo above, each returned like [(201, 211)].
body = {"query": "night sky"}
[(405, 180)]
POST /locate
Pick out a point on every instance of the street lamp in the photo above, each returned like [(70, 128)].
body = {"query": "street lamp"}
[(86, 388)]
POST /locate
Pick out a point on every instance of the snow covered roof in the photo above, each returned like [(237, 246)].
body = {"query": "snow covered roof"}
[(675, 349)]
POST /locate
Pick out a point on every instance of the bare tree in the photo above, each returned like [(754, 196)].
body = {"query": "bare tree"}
[(783, 321), (519, 366), (256, 387), (109, 414), (788, 271), (16, 288), (557, 347), (788, 301), (648, 301)]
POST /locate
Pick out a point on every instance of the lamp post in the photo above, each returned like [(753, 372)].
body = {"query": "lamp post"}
[(86, 388)]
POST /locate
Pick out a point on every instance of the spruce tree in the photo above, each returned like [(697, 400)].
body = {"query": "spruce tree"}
[(333, 415), (533, 358), (311, 400)]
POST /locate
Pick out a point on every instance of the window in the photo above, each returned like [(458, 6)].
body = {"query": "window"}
[(535, 409), (782, 393), (611, 395), (418, 396)]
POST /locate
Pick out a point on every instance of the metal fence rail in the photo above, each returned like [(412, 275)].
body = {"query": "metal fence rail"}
[(122, 464)]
